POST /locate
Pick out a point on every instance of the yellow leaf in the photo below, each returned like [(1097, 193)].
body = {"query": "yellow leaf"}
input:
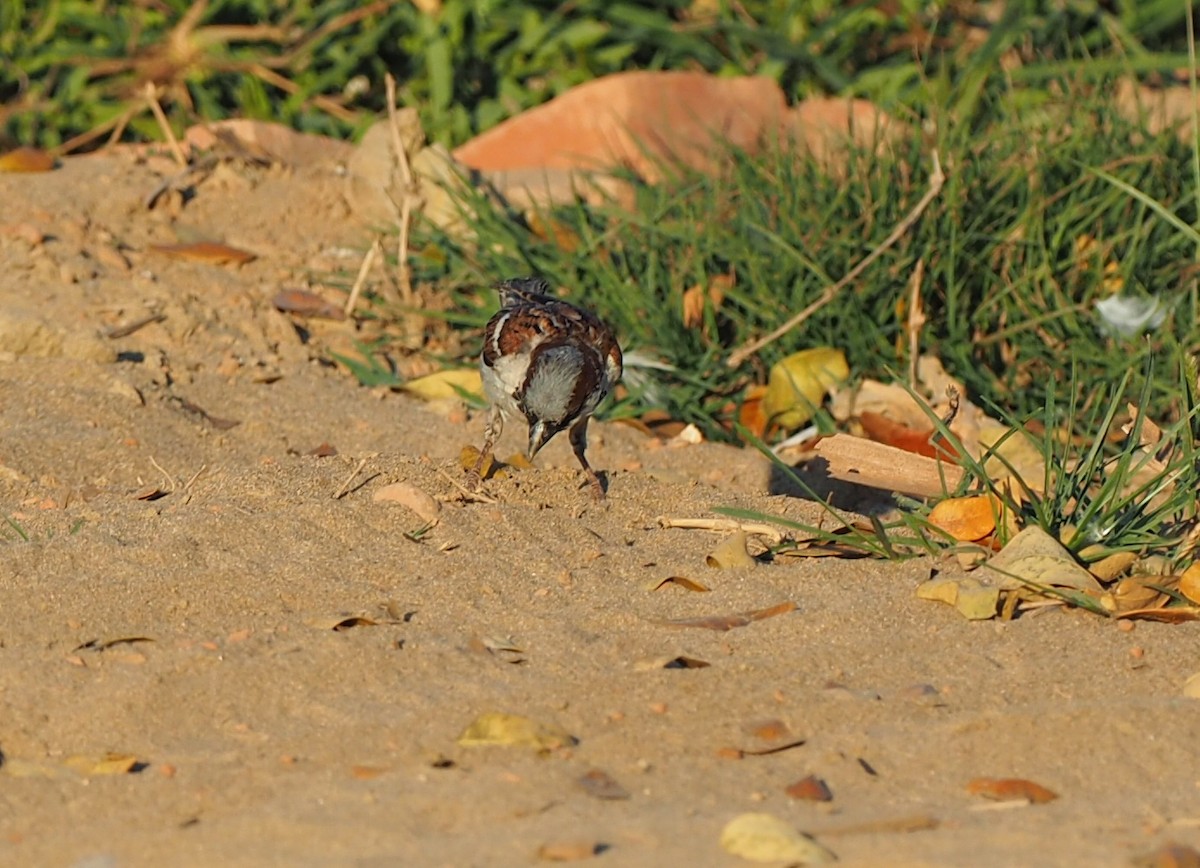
[(766, 838), (798, 384), (973, 599), (108, 764), (965, 518), (26, 160), (446, 384), (512, 730), (1189, 582)]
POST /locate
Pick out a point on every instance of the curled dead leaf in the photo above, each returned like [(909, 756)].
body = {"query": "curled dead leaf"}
[(1010, 789), (209, 252), (569, 851), (680, 581), (106, 764), (731, 554)]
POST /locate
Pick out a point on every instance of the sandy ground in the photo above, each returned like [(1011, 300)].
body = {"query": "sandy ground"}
[(262, 736)]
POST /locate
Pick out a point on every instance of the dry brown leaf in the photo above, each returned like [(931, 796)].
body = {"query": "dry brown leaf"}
[(750, 414), (599, 784), (769, 730), (210, 252), (304, 303), (678, 662), (1133, 594), (26, 160), (810, 789), (513, 730), (965, 518), (681, 581), (1033, 556), (569, 851), (1010, 789), (1108, 568), (105, 644), (1189, 582), (864, 462), (729, 622)]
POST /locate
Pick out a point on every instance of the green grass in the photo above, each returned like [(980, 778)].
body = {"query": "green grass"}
[(1037, 218)]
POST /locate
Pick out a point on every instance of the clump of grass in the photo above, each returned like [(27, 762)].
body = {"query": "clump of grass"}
[(1023, 242)]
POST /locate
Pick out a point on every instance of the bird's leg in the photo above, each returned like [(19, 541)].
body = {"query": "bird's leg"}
[(579, 444), (491, 432)]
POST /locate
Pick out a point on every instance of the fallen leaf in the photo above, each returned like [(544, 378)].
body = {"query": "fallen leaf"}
[(106, 764), (1033, 557), (919, 441), (731, 554), (341, 622), (366, 773), (769, 730), (513, 730), (694, 299), (569, 851), (323, 450), (449, 383), (1108, 568), (599, 784), (1170, 855), (1173, 615), (975, 600), (407, 494), (766, 838), (1133, 594), (1010, 789), (729, 622), (965, 518), (750, 414), (1189, 582), (304, 303), (205, 416), (798, 384), (26, 160), (810, 789), (681, 581), (209, 252), (679, 662), (1191, 687)]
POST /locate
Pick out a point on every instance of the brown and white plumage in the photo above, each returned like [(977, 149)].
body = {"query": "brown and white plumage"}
[(549, 361)]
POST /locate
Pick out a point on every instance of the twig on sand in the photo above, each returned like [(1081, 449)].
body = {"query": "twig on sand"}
[(345, 486), (936, 181), (468, 494), (722, 524)]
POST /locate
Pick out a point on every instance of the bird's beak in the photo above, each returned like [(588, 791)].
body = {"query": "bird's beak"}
[(539, 434)]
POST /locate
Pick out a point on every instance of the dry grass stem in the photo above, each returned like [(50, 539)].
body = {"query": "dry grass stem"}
[(363, 270), (164, 125)]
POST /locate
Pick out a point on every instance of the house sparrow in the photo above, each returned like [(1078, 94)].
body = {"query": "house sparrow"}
[(548, 361)]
